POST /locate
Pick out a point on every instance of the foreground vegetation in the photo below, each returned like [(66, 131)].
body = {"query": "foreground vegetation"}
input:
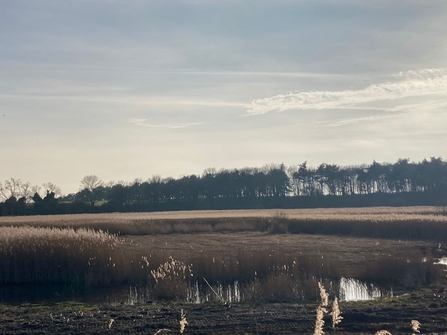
[(75, 252), (409, 223), (145, 273), (395, 315)]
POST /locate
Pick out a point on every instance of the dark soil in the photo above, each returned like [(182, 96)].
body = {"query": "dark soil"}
[(428, 306)]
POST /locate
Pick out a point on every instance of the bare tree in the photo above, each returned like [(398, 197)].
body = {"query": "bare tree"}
[(2, 196), (52, 188), (26, 191), (137, 181), (209, 171), (35, 189), (15, 188), (92, 189), (155, 179), (110, 184), (11, 188), (91, 182)]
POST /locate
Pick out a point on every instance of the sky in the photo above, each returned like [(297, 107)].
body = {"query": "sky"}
[(127, 89)]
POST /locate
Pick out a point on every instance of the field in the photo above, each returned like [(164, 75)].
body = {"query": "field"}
[(231, 272)]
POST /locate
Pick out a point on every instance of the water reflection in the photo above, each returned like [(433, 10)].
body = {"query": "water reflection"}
[(226, 293), (442, 261), (349, 289), (354, 290)]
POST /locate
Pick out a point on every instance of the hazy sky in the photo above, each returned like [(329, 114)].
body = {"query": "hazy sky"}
[(131, 88)]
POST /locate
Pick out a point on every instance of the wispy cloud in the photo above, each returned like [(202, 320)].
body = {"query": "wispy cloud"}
[(405, 84), (249, 73), (350, 121), (128, 99), (143, 123), (418, 107), (88, 68), (400, 111)]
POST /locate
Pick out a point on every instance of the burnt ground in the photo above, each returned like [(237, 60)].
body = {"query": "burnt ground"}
[(428, 306)]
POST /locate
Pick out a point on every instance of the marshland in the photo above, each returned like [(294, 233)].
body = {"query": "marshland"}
[(253, 270), (186, 167)]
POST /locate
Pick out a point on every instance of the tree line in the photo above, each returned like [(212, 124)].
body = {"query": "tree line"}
[(274, 185)]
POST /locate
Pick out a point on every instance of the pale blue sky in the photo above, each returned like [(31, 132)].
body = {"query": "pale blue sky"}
[(127, 89)]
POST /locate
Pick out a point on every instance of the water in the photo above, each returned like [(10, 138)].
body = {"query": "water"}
[(442, 261), (226, 293), (195, 294), (354, 290), (349, 290)]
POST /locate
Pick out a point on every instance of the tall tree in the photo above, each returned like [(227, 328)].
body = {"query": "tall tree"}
[(278, 181), (91, 182), (92, 189)]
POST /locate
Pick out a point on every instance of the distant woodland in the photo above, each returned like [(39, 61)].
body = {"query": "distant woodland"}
[(403, 183)]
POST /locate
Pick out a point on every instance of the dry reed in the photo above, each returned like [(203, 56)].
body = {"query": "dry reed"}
[(321, 310), (415, 325), (403, 223), (183, 322), (383, 332), (60, 256), (172, 279), (335, 313), (86, 258)]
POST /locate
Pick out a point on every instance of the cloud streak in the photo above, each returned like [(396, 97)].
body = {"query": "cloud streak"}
[(394, 112), (406, 84), (143, 123), (128, 99)]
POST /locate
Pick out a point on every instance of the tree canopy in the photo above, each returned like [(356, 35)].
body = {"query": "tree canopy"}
[(402, 182)]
